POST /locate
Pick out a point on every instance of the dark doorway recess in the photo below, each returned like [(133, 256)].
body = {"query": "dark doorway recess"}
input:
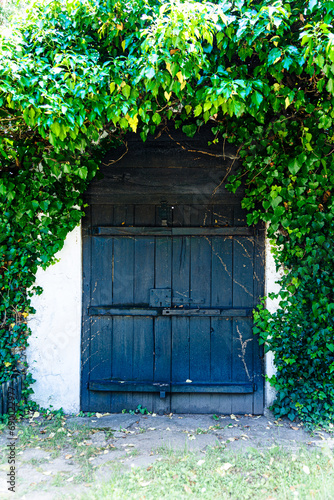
[(171, 275)]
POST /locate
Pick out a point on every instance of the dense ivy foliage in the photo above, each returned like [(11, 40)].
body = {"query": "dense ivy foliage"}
[(76, 76)]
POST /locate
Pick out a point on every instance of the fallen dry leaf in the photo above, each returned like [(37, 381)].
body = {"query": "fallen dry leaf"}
[(187, 488), (306, 469), (67, 457), (144, 483)]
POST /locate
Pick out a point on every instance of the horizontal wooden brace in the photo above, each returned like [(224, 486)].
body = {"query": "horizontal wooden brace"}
[(172, 231), (143, 311), (123, 311), (190, 312), (173, 387)]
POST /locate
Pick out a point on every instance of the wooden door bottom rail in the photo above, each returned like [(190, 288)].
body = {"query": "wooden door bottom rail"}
[(146, 311), (173, 387)]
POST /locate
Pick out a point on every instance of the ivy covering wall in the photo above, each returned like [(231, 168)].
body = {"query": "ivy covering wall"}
[(76, 76)]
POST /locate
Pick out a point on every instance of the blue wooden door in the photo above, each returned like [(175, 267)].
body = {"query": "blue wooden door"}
[(168, 300)]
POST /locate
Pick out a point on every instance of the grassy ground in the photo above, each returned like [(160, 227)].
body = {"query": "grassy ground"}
[(274, 474), (77, 462)]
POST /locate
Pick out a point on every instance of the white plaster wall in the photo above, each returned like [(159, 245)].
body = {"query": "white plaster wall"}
[(271, 286), (54, 351)]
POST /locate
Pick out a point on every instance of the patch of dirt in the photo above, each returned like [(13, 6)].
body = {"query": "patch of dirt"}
[(64, 461)]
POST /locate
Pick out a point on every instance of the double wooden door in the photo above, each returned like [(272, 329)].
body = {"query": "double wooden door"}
[(168, 299)]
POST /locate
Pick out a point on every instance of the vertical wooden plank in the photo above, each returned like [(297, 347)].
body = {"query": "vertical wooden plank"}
[(240, 216), (182, 215), (162, 325), (200, 215), (123, 270), (143, 359), (143, 335), (200, 363), (143, 269), (181, 266), (102, 215), (200, 289), (123, 215), (222, 216), (180, 361), (180, 326), (178, 216), (86, 320), (144, 215), (243, 271), (123, 294), (162, 361), (221, 361), (100, 361), (187, 210), (163, 262), (102, 263), (222, 272), (242, 362), (200, 271), (122, 360)]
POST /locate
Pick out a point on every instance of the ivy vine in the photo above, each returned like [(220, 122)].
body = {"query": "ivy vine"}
[(77, 75)]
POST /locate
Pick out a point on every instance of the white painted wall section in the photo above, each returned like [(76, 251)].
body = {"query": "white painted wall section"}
[(272, 277), (54, 351)]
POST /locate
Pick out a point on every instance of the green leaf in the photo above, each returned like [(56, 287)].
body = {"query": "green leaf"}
[(83, 172), (256, 98), (330, 86), (294, 166), (189, 130), (126, 90), (198, 110)]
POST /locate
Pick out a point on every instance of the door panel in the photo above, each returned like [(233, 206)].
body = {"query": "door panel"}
[(202, 360)]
